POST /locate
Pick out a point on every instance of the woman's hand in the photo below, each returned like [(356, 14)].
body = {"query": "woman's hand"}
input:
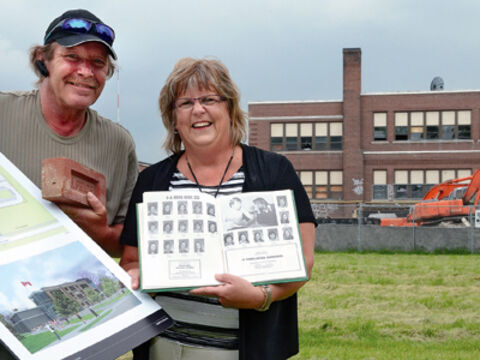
[(234, 292), (239, 293)]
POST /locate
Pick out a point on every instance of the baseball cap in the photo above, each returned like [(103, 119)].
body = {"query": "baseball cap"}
[(75, 27)]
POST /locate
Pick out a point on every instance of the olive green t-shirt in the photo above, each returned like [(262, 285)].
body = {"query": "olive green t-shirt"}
[(104, 146)]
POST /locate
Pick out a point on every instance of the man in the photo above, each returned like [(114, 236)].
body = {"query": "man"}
[(55, 120)]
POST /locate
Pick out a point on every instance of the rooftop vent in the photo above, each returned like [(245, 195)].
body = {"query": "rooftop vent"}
[(437, 84)]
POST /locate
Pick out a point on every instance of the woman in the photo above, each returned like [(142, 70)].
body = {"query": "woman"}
[(205, 125)]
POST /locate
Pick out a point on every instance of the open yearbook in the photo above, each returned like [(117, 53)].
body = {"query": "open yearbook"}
[(186, 237), (61, 295)]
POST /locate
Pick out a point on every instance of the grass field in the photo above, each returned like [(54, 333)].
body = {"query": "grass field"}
[(391, 306)]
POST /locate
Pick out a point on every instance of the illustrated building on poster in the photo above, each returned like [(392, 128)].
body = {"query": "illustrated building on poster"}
[(33, 318)]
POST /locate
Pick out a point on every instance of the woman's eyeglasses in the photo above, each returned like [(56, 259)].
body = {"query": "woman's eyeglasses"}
[(83, 26), (186, 103)]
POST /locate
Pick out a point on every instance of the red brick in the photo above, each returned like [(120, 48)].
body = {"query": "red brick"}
[(66, 181)]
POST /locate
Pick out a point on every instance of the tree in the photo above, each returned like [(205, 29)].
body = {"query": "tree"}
[(109, 286), (65, 306), (93, 296)]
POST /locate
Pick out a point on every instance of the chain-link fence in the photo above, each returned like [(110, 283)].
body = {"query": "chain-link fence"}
[(397, 227)]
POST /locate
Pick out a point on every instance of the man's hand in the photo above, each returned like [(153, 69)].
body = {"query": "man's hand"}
[(93, 221), (129, 262), (133, 269)]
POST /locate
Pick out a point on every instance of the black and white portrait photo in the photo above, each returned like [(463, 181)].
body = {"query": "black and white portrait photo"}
[(152, 209), (197, 207), (287, 233), (228, 239), (273, 234), (153, 247), (210, 209), (182, 207), (153, 227), (284, 217), (167, 207), (199, 245), (168, 246), (243, 237), (167, 226), (183, 246), (258, 236), (282, 201), (198, 226), (212, 227), (182, 226)]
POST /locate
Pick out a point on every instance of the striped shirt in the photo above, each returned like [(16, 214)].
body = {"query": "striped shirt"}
[(201, 320), (234, 185)]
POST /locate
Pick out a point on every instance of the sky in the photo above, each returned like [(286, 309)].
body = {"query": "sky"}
[(59, 266), (276, 50)]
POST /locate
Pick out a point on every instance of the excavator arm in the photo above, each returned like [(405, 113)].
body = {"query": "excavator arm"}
[(449, 199)]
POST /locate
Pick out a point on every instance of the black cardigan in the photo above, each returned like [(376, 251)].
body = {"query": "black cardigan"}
[(263, 335)]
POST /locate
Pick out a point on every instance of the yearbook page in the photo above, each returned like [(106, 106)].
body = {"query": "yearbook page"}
[(61, 295), (187, 237)]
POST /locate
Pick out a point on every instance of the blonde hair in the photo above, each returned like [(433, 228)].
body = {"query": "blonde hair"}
[(202, 74)]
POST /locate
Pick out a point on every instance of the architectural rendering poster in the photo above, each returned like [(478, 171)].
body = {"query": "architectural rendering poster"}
[(61, 296)]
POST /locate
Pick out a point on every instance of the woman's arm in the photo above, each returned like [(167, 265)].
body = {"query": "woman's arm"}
[(239, 293)]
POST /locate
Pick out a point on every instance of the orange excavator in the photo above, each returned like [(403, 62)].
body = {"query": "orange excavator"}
[(449, 201)]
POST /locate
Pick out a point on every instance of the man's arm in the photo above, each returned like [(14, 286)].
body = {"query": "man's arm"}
[(93, 221)]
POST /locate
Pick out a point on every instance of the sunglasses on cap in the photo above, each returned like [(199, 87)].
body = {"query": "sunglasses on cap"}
[(83, 26)]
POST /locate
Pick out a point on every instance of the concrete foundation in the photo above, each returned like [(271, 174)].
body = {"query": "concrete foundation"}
[(339, 237)]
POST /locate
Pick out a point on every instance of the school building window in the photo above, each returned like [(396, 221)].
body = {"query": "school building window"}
[(380, 190), (276, 137), (414, 184), (306, 136), (433, 125), (380, 126), (323, 185)]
